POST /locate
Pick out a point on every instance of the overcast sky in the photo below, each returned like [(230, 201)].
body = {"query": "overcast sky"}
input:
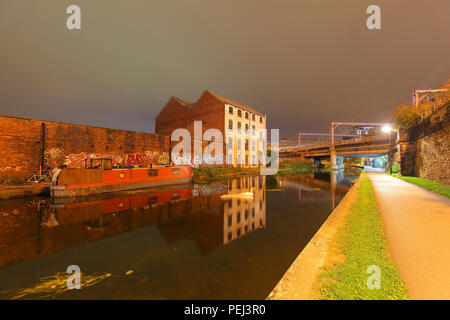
[(303, 63)]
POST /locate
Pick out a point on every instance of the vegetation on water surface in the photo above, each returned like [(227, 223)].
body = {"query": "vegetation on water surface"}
[(295, 167), (271, 182), (53, 285), (434, 186), (362, 242), (210, 174)]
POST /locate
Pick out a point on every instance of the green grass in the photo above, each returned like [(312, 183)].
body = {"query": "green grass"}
[(363, 243), (434, 186)]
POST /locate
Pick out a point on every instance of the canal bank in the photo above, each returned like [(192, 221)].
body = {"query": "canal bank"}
[(342, 259), (23, 191), (202, 175), (298, 283), (202, 242)]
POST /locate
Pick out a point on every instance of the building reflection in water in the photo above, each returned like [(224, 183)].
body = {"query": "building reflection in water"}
[(244, 215), (31, 229)]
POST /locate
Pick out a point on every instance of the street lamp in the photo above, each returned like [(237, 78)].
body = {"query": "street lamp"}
[(386, 128)]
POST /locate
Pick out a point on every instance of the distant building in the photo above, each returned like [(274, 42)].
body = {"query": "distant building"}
[(242, 128)]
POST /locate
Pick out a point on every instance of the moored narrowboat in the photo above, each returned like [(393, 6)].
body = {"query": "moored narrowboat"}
[(87, 181)]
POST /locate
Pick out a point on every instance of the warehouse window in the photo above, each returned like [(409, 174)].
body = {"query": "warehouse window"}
[(230, 143)]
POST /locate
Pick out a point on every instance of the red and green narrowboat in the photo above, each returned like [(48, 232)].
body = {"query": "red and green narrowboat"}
[(70, 182)]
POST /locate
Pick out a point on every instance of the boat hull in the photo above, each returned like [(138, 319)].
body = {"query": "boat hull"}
[(63, 192), (128, 180)]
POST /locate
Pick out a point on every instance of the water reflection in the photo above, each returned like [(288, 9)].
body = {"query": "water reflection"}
[(42, 227), (242, 216), (335, 182), (189, 242)]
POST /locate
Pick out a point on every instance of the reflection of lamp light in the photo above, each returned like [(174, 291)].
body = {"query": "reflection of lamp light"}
[(242, 195), (386, 128)]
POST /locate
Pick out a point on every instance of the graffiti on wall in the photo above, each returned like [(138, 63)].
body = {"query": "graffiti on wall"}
[(56, 157), (130, 159)]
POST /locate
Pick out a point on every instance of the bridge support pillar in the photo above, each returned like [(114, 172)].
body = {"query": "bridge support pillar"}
[(337, 162)]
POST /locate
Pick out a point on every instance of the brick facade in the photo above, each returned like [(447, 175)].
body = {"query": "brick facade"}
[(25, 144), (178, 113), (213, 111)]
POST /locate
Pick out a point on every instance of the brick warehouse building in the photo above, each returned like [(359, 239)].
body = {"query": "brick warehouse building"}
[(242, 127)]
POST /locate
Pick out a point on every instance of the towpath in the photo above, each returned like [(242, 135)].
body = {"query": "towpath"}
[(417, 227)]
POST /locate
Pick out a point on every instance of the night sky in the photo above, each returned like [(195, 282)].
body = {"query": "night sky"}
[(303, 63)]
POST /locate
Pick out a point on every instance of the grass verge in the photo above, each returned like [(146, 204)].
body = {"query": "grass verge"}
[(362, 242), (434, 186)]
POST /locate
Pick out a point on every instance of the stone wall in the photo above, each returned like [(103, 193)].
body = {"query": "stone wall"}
[(27, 144), (424, 150), (433, 156)]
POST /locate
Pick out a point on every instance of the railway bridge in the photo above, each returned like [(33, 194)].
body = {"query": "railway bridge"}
[(336, 151)]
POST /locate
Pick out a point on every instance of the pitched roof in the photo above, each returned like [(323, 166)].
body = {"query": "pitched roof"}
[(234, 103), (183, 102)]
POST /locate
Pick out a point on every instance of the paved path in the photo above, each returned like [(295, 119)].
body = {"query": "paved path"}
[(417, 227)]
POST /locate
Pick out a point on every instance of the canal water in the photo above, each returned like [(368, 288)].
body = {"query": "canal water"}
[(226, 240)]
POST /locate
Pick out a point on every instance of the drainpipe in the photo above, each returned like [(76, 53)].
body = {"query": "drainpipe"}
[(170, 144), (42, 147)]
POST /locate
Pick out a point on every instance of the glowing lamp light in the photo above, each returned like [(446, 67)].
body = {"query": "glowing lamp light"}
[(386, 128)]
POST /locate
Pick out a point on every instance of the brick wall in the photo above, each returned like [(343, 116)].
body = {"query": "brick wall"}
[(22, 140)]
